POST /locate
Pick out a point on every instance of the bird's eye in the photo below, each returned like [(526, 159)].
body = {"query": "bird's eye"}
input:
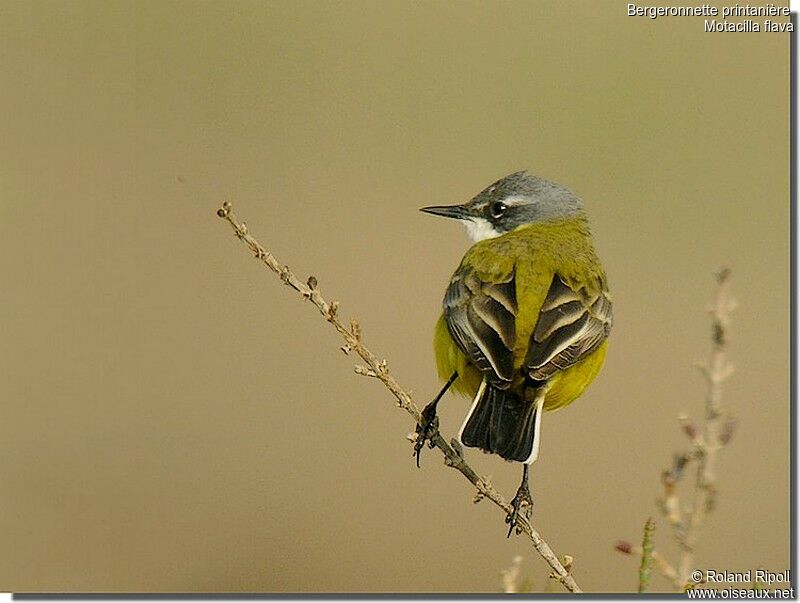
[(497, 209)]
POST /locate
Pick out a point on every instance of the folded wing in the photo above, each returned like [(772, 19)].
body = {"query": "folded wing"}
[(573, 322), (481, 319)]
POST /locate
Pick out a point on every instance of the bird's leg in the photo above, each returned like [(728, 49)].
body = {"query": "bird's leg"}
[(522, 503), (430, 421)]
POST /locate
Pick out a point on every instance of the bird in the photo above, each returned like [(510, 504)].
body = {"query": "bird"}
[(525, 319)]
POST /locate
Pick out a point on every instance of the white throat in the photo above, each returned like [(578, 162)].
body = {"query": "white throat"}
[(480, 229)]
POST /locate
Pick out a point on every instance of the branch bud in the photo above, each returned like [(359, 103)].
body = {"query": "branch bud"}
[(364, 371), (333, 308), (223, 211), (726, 433), (286, 274), (355, 329), (678, 464), (690, 429), (624, 547)]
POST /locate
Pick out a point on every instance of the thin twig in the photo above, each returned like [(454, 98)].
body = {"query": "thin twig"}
[(716, 431), (378, 368), (646, 566), (704, 444)]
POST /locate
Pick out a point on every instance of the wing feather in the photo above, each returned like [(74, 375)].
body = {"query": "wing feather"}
[(481, 319), (504, 293), (572, 324)]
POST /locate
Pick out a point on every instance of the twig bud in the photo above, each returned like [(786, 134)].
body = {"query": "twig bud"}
[(624, 547), (286, 274), (312, 283), (364, 371), (718, 333), (690, 429), (726, 433), (679, 462), (482, 489), (333, 308), (355, 329)]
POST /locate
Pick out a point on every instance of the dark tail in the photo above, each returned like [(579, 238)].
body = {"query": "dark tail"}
[(503, 423)]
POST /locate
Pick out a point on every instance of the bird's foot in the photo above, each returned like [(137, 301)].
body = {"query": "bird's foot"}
[(426, 431), (522, 506)]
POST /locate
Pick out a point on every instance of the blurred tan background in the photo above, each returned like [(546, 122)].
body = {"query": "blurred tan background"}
[(176, 420)]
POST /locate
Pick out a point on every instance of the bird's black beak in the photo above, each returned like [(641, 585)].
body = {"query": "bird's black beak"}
[(448, 211)]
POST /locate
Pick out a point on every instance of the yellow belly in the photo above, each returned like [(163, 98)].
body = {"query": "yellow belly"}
[(565, 386)]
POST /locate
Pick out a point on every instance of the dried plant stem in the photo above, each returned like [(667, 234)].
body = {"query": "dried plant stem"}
[(705, 443), (377, 368), (646, 567), (716, 431)]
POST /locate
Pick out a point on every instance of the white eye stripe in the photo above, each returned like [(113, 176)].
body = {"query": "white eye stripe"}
[(512, 201)]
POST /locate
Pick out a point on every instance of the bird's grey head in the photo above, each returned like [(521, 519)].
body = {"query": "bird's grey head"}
[(509, 203)]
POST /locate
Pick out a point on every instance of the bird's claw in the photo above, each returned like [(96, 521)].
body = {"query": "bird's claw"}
[(522, 506), (425, 433)]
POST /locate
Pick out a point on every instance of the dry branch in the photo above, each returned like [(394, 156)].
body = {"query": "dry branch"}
[(716, 431), (377, 368), (704, 444)]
